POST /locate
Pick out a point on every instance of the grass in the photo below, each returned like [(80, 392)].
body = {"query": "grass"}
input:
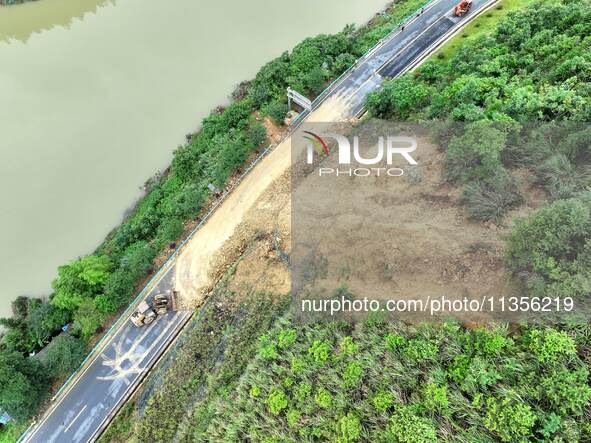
[(11, 432), (333, 381), (121, 427), (484, 24)]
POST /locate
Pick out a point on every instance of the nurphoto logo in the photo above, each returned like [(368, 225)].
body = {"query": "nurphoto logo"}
[(374, 162)]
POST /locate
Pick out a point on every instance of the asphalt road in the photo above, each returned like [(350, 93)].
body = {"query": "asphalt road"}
[(96, 395), (93, 399), (400, 52)]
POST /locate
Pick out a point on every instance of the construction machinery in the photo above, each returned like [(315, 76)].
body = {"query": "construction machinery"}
[(146, 312), (462, 8)]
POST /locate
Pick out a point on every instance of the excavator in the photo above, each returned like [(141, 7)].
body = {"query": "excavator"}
[(462, 8), (146, 312)]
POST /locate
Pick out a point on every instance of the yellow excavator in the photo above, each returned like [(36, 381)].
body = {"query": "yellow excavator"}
[(146, 312)]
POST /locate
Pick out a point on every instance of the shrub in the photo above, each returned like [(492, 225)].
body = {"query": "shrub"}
[(298, 365), (475, 155), (407, 427), (323, 398), (561, 178), (459, 367), (348, 428), (550, 345), (353, 373), (286, 338), (394, 341), (435, 397), (510, 421), (293, 417), (383, 401), (268, 348), (302, 391), (277, 111), (257, 134), (255, 391), (567, 391), (276, 401), (348, 346), (319, 351), (63, 356), (554, 246), (420, 350), (490, 343), (491, 198)]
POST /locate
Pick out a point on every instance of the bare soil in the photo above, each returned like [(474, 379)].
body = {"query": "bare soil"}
[(200, 263), (412, 239)]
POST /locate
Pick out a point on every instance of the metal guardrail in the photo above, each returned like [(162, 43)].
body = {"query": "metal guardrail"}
[(165, 266)]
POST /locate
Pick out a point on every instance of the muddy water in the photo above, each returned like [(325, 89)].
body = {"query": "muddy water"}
[(96, 94)]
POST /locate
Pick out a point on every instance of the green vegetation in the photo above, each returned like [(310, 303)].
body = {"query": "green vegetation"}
[(534, 67), (438, 382), (91, 290), (482, 25), (553, 247), (13, 2)]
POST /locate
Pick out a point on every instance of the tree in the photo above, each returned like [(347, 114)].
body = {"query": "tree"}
[(341, 63), (553, 246), (399, 98), (277, 111), (44, 321), (22, 384), (63, 355), (20, 307), (87, 319), (476, 154), (82, 278)]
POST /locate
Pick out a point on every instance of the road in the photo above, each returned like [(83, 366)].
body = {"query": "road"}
[(97, 394), (85, 408)]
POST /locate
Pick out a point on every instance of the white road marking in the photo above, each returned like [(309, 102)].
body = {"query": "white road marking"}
[(75, 418)]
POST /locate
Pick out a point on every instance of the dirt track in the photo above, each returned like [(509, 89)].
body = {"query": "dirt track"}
[(196, 265)]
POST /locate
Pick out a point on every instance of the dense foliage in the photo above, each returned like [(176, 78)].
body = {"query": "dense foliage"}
[(518, 98), (553, 247), (534, 67), (386, 382)]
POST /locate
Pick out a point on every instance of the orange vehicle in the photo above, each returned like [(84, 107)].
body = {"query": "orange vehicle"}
[(462, 8)]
